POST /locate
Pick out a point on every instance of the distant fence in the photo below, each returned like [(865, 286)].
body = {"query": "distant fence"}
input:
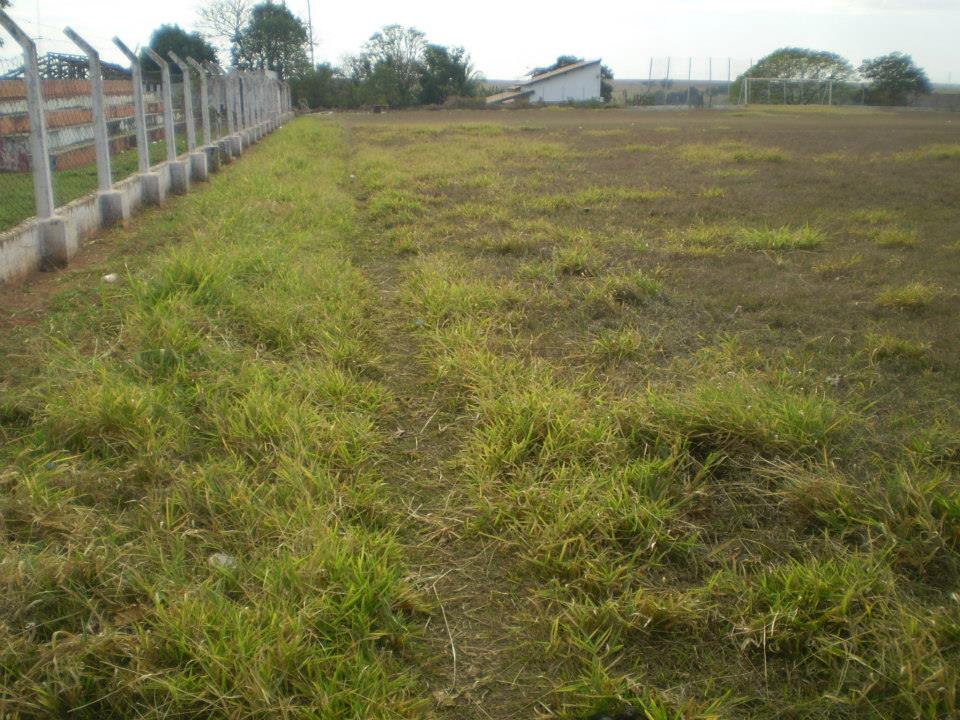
[(83, 144), (719, 81)]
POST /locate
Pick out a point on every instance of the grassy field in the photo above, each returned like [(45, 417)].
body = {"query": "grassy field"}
[(469, 415)]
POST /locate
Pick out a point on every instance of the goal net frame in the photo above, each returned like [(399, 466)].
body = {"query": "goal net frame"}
[(786, 91)]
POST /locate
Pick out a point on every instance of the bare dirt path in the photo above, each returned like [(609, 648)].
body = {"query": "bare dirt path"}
[(468, 655)]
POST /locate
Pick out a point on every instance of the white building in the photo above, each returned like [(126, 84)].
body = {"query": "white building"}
[(579, 82)]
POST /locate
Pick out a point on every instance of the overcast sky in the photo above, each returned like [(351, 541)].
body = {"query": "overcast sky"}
[(507, 39)]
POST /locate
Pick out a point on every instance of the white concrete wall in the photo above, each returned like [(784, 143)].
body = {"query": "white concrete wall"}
[(578, 85)]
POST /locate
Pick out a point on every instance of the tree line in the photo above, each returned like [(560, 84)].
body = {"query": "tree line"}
[(892, 79), (397, 66)]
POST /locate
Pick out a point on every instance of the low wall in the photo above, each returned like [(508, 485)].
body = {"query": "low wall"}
[(21, 250), (21, 247)]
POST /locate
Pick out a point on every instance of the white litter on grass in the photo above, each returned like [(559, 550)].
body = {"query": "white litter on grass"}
[(222, 561), (111, 278)]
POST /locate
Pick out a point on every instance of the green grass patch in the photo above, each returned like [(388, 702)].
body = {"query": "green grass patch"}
[(719, 237), (896, 237), (739, 417), (733, 172), (838, 267), (730, 152), (712, 193), (619, 345), (912, 296), (187, 496), (936, 151), (908, 354)]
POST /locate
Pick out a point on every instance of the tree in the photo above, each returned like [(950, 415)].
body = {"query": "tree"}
[(445, 72), (172, 37), (606, 87), (792, 63), (273, 39), (322, 86), (223, 20), (894, 79), (388, 69), (562, 61)]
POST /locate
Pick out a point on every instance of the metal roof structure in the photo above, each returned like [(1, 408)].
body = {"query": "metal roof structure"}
[(61, 66)]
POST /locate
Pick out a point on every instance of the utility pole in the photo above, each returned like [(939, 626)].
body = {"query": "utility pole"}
[(710, 74), (313, 58), (689, 79)]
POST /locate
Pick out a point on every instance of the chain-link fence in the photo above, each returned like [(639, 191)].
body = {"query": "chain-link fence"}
[(73, 125), (153, 111), (16, 159), (70, 136)]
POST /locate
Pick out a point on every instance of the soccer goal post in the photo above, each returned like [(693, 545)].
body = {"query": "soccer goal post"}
[(786, 91)]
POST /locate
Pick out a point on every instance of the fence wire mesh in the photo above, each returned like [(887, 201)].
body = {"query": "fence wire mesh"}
[(792, 91), (196, 108), (216, 105), (85, 151), (179, 111), (17, 199), (121, 128), (153, 110), (69, 115), (679, 81), (67, 130)]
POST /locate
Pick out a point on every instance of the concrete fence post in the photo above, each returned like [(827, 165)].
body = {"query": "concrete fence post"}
[(56, 248), (204, 99), (151, 190), (234, 121), (269, 87), (197, 158), (273, 92), (226, 142), (178, 169), (246, 98), (211, 150), (261, 109), (240, 109), (189, 121), (255, 105), (109, 201), (241, 104)]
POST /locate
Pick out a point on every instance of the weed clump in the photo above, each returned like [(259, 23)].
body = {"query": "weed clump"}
[(913, 296), (730, 152), (903, 353), (738, 417), (619, 345), (718, 237)]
